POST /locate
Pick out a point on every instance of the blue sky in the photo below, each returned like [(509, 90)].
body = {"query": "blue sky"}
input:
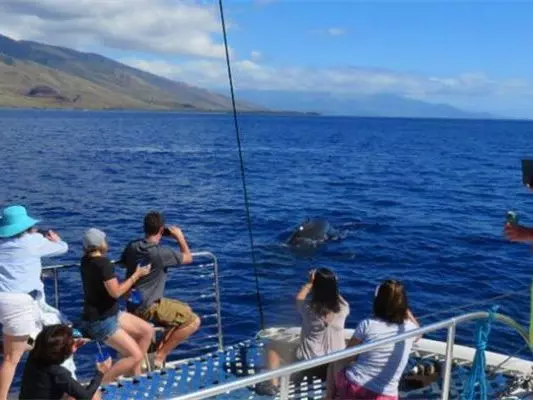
[(426, 37), (475, 55)]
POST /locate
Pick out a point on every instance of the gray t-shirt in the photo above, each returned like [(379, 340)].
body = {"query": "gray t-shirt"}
[(320, 335), (151, 286), (380, 370)]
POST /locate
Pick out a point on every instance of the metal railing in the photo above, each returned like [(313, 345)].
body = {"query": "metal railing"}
[(210, 262), (284, 373)]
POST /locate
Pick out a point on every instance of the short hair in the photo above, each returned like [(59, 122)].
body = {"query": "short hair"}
[(53, 345), (153, 222), (390, 302), (91, 249)]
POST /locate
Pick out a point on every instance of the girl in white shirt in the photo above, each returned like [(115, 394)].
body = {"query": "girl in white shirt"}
[(375, 375)]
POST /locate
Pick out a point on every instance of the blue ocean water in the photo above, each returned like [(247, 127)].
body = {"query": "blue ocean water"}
[(423, 201)]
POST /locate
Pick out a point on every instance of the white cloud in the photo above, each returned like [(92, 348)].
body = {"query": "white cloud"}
[(189, 27), (335, 31), (332, 31), (159, 26), (250, 74), (255, 55)]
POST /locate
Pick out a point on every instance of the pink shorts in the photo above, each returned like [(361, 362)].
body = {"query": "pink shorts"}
[(344, 390)]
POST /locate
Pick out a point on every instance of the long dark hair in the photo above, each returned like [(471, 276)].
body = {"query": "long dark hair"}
[(53, 345), (390, 302), (325, 296)]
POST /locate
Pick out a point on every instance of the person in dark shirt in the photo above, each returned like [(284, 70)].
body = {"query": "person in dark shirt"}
[(179, 319), (45, 378), (101, 320)]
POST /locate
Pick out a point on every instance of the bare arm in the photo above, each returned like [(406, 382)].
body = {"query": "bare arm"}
[(412, 318), (117, 290), (305, 289), (182, 242), (353, 341)]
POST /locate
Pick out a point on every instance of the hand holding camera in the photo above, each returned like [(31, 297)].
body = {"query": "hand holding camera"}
[(143, 270), (52, 236), (173, 231)]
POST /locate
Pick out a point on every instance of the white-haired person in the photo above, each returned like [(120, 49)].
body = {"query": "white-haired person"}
[(23, 310)]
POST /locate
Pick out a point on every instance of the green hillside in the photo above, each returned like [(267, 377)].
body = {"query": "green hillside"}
[(37, 75)]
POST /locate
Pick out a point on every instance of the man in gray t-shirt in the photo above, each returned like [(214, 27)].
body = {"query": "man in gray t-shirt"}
[(175, 315)]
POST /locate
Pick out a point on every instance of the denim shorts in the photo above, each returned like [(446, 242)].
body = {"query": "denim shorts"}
[(100, 330)]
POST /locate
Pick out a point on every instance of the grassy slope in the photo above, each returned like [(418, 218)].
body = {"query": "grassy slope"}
[(99, 81)]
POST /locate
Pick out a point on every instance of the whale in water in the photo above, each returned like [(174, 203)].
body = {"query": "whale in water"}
[(312, 233)]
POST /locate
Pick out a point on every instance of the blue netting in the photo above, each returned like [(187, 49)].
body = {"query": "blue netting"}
[(246, 358)]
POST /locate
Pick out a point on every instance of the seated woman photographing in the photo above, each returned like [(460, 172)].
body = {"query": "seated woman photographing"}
[(45, 378), (323, 319), (102, 320), (375, 375)]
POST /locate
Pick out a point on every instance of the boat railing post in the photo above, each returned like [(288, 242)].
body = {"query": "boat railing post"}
[(448, 362), (284, 387), (218, 305), (56, 288)]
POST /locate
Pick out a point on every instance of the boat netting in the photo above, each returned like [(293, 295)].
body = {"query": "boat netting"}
[(246, 358)]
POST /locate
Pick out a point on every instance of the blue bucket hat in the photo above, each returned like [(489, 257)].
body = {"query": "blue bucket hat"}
[(15, 220)]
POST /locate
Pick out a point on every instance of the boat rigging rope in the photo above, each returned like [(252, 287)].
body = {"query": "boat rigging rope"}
[(477, 303), (243, 175), (478, 378), (496, 368)]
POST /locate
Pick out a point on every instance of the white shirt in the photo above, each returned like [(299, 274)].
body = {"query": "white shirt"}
[(20, 261), (321, 335), (380, 370)]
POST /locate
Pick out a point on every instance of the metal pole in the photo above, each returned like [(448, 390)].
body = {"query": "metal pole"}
[(448, 362), (284, 387), (218, 306), (56, 288)]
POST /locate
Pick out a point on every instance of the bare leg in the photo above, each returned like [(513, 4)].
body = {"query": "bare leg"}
[(173, 338), (333, 370), (140, 330), (273, 361), (14, 348), (330, 382), (131, 355)]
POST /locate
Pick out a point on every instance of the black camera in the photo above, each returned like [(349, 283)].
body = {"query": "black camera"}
[(166, 232)]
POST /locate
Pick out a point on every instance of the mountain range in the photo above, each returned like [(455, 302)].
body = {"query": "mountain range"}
[(364, 105), (36, 75)]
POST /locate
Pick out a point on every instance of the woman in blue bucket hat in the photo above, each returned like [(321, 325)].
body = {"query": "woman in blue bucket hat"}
[(22, 305)]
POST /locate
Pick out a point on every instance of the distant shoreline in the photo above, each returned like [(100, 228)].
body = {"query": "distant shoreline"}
[(259, 112), (159, 110)]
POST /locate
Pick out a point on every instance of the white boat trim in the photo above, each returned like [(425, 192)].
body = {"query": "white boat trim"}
[(291, 336)]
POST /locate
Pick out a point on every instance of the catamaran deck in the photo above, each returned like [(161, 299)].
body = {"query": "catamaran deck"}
[(246, 358)]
